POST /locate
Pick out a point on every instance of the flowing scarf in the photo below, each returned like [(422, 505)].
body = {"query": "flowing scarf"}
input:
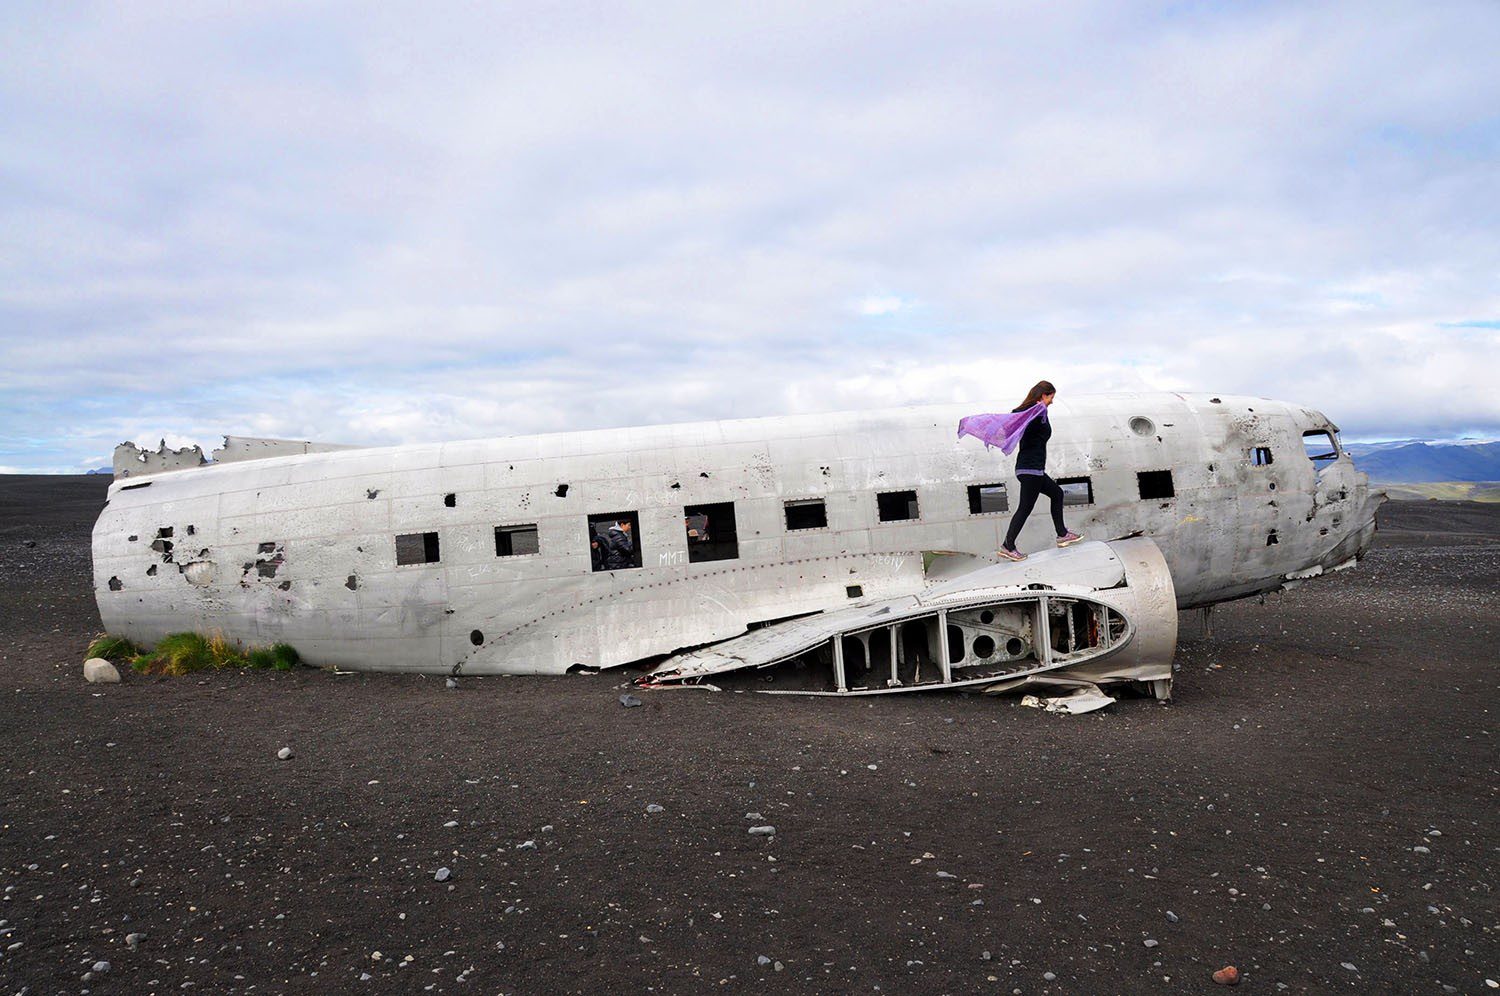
[(1003, 431)]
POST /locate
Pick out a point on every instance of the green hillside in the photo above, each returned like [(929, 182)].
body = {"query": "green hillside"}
[(1445, 491)]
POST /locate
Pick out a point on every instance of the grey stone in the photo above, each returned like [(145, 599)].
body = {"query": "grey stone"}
[(765, 831), (442, 875), (762, 960), (754, 816), (133, 941), (1171, 917), (1421, 850), (451, 683), (526, 845), (450, 824), (284, 753), (98, 671), (985, 956), (100, 967), (1348, 965), (652, 807), (777, 965), (946, 875), (629, 701), (1150, 942), (1049, 976)]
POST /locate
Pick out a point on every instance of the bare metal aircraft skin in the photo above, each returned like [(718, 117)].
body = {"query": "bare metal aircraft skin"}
[(861, 544)]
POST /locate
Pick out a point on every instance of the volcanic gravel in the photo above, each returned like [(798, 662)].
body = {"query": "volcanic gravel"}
[(1317, 807)]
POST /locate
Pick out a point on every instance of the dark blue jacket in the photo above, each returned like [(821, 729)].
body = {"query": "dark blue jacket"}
[(1031, 454)]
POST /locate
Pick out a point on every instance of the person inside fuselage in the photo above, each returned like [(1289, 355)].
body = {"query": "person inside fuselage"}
[(619, 547)]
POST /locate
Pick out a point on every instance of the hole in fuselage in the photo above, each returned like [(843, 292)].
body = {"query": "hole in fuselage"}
[(476, 637)]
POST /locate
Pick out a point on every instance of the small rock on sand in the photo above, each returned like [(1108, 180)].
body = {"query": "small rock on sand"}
[(98, 671), (442, 875), (1227, 976), (629, 701), (284, 753), (766, 831)]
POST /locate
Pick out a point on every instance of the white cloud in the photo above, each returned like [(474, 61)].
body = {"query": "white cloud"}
[(378, 227)]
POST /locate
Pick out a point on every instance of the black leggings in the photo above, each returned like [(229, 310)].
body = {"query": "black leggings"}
[(1031, 486)]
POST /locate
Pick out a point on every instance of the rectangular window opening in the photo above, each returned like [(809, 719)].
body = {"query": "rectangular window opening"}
[(516, 541), (614, 541), (808, 513), (1261, 456), (417, 548), (1077, 490), (986, 498), (711, 533), (897, 506), (1155, 484), (1319, 445)]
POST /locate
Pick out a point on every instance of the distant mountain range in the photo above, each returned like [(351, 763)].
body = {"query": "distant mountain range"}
[(1410, 461)]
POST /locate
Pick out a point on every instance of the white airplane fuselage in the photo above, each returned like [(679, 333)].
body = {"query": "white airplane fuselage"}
[(303, 549)]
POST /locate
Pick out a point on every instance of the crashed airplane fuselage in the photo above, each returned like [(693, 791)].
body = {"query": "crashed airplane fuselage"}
[(476, 557)]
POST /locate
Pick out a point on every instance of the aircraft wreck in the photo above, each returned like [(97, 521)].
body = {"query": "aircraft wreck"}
[(842, 554)]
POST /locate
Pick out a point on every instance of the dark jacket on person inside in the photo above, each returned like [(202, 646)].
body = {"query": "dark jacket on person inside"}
[(619, 551), (1031, 454)]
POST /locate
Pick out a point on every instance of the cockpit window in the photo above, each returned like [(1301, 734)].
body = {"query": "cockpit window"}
[(1319, 445)]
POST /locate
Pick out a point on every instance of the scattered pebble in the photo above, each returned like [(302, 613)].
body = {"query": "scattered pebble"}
[(526, 845), (1171, 917), (284, 753), (652, 807), (1150, 942), (762, 960), (450, 824), (629, 701), (1049, 976), (100, 967), (1227, 976), (765, 831), (1348, 965), (442, 875)]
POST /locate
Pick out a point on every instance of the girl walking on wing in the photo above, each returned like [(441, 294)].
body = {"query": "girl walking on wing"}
[(1031, 469)]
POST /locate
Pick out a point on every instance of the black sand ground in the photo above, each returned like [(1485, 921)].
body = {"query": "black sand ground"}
[(1318, 807)]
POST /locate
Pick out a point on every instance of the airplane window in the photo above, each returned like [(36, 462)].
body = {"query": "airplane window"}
[(984, 498), (1319, 445), (1077, 490), (808, 513), (515, 541), (1155, 484), (711, 532), (1261, 456), (614, 541), (895, 506), (416, 548)]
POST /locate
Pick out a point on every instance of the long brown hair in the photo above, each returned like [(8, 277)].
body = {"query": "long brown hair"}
[(1035, 394)]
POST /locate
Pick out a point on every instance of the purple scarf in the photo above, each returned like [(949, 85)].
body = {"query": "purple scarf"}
[(1003, 431)]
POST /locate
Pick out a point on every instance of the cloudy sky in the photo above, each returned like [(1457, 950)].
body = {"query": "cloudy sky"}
[(384, 223)]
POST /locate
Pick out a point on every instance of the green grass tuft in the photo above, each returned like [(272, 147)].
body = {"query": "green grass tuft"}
[(182, 653), (185, 653), (260, 658), (111, 648), (286, 656)]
